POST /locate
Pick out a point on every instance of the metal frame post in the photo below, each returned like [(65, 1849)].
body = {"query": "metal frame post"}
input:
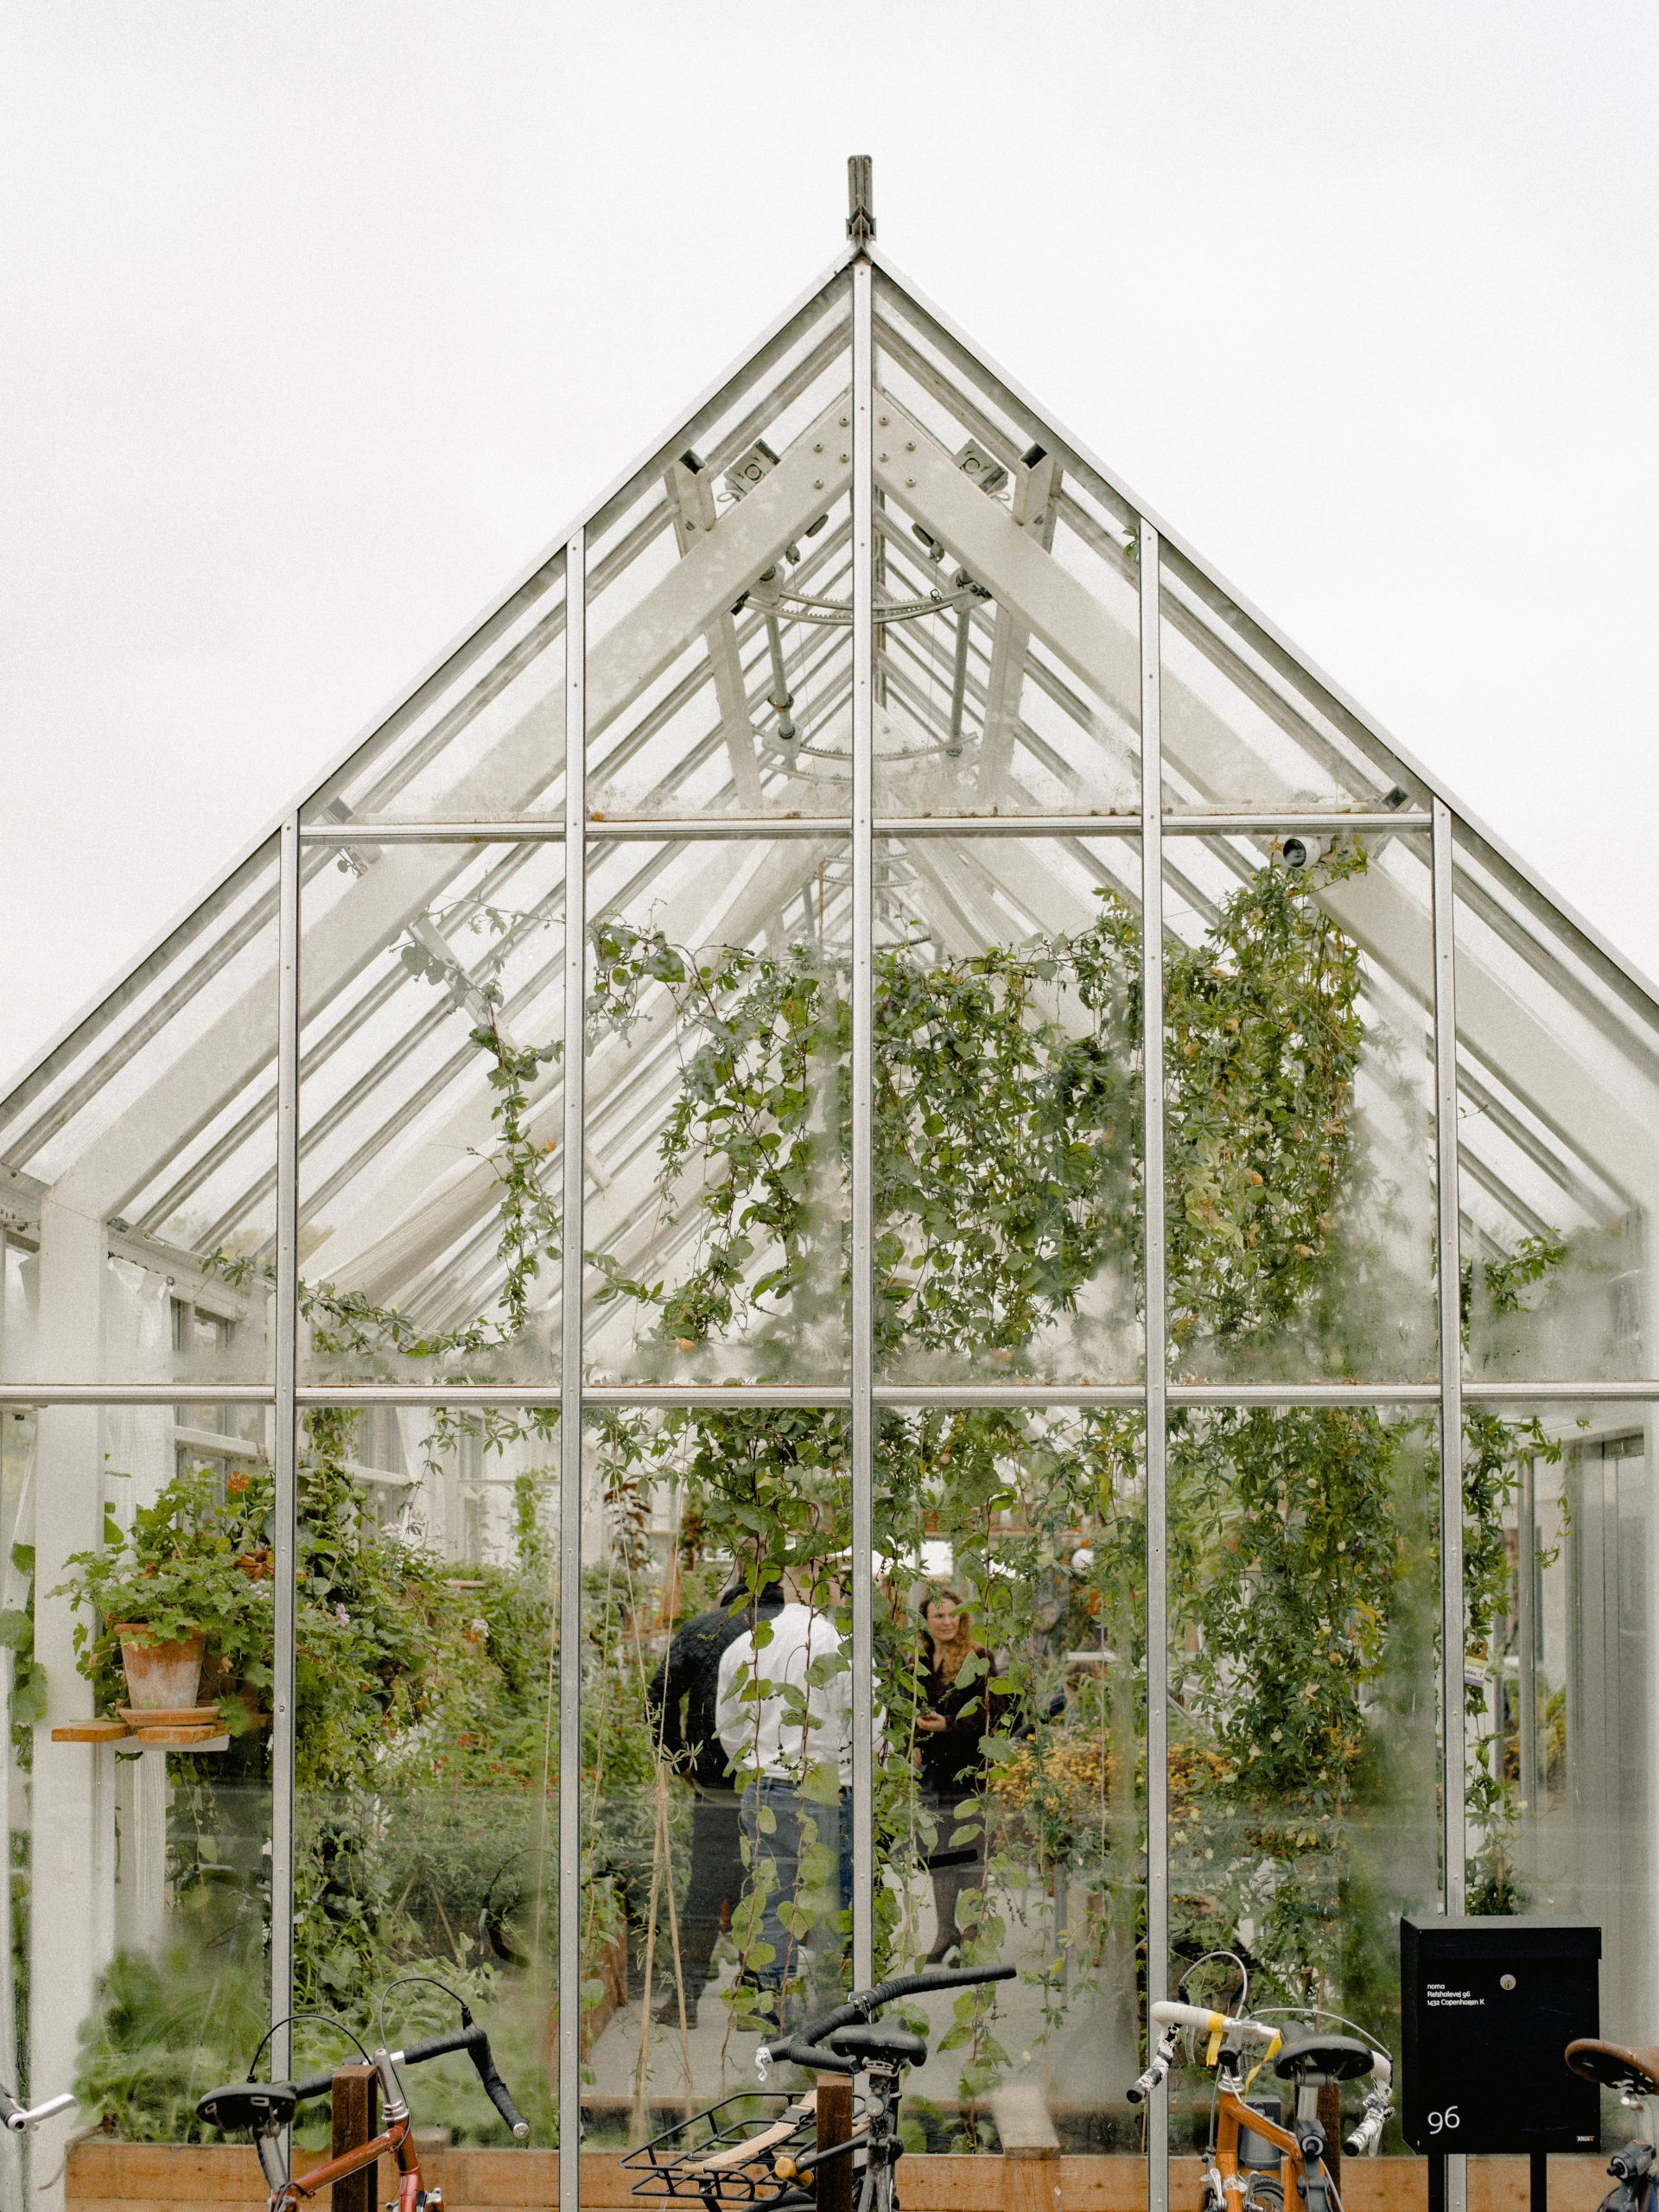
[(862, 1077), (285, 1438), (1156, 1377), (1448, 1266), (570, 1351)]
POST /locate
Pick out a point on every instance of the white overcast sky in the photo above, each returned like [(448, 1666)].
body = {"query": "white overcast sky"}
[(320, 319)]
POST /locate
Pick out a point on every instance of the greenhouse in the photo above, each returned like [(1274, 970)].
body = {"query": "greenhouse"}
[(871, 1037)]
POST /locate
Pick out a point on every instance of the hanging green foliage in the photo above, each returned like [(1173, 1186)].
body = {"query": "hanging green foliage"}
[(1008, 1197)]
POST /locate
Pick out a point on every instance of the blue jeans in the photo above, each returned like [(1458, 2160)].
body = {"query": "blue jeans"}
[(797, 1824)]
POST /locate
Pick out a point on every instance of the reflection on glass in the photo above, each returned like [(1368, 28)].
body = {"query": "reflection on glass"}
[(482, 739), (1007, 604), (1299, 1076), (1244, 726), (164, 1130), (429, 1110), (1011, 1801), (1302, 1718), (719, 615), (717, 1749), (176, 1603), (427, 1743), (1558, 1524), (717, 1112), (1008, 1109), (1555, 1054)]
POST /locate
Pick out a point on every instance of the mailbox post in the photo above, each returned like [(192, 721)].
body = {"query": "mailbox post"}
[(1487, 2007)]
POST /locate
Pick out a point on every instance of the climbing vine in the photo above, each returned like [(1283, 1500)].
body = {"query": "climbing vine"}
[(1008, 1185)]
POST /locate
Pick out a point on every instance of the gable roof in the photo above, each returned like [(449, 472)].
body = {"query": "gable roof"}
[(718, 669)]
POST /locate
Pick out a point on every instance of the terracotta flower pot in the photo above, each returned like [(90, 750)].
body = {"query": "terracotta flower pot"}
[(160, 1676)]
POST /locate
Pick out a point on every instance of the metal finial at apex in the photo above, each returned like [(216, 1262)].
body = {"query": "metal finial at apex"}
[(860, 202)]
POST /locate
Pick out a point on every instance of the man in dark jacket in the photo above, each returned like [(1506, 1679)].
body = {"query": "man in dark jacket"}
[(681, 1699)]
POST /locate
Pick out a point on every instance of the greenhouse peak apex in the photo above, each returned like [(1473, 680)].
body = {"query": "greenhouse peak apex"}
[(860, 202)]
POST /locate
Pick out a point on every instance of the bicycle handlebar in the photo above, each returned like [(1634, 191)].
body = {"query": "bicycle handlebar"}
[(474, 2041), (802, 2049), (1208, 2023), (18, 2118), (1173, 2018)]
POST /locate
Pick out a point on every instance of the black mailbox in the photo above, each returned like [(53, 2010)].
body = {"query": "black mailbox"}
[(1487, 2007)]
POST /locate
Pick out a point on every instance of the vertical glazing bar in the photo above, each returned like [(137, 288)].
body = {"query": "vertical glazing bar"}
[(863, 1083), (1526, 1571), (284, 1437), (1454, 1845), (571, 1230), (1448, 1266), (1152, 1067)]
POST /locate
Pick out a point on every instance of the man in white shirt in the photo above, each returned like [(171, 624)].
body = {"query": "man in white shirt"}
[(783, 1715)]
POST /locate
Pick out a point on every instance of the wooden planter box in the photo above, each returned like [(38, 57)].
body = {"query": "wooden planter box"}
[(108, 2176)]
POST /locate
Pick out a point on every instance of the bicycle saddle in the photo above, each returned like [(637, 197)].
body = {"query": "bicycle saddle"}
[(1636, 2072), (894, 2046), (1337, 2058), (247, 2107)]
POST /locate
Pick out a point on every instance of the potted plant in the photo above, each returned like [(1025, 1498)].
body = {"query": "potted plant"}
[(182, 1602)]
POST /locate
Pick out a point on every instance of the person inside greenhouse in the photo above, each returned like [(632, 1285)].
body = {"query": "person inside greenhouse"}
[(680, 1699), (957, 1709), (786, 1722)]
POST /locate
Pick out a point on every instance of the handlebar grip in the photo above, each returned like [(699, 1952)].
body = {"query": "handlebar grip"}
[(1168, 2014), (496, 2089), (860, 2006), (1154, 2077), (1163, 2058), (439, 2047), (912, 1985)]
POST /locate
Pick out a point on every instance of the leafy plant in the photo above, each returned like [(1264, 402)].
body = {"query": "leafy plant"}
[(1009, 1185), (197, 1562)]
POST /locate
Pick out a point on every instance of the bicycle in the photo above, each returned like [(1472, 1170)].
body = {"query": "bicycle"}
[(714, 2157), (21, 2118), (1252, 2160), (264, 2111), (1635, 2074)]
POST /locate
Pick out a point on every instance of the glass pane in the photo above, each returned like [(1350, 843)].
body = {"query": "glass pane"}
[(719, 620), (1245, 726), (1299, 1074), (137, 1793), (1008, 669), (482, 739), (1011, 1802), (429, 1110), (1007, 1112), (716, 1111), (1559, 1529), (1304, 1759), (427, 1748), (161, 1125), (716, 1842), (1558, 1094)]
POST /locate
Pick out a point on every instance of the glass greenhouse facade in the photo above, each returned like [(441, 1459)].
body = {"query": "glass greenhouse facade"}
[(871, 1023)]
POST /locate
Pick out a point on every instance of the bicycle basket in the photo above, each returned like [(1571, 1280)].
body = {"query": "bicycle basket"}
[(724, 2154)]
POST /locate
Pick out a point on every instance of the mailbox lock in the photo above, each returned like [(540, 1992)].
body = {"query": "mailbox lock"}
[(1506, 1981)]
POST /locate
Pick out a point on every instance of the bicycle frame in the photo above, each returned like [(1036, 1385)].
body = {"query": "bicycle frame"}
[(1228, 2183), (1303, 2179), (398, 2139)]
